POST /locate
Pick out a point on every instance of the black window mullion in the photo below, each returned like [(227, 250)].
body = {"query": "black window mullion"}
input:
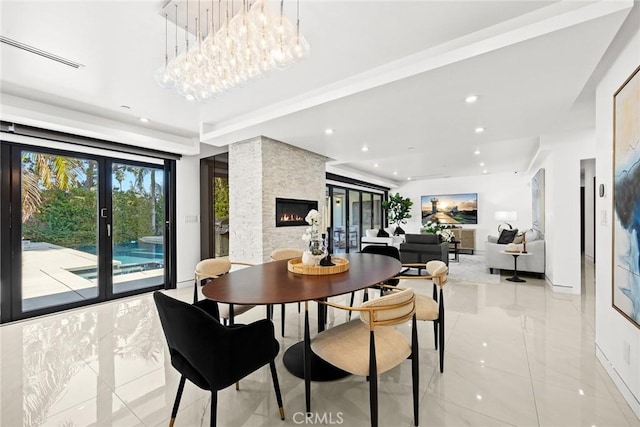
[(105, 247)]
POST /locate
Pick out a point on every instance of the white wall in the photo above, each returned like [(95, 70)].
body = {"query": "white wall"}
[(615, 335), (496, 192), (560, 156), (589, 167), (187, 205)]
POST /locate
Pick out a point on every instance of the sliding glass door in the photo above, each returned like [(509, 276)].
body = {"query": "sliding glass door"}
[(59, 219), (88, 228), (352, 212), (137, 241)]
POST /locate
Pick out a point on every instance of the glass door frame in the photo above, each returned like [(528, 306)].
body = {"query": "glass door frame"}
[(11, 227), (360, 189)]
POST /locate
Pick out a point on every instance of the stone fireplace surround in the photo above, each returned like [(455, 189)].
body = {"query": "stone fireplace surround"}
[(262, 170)]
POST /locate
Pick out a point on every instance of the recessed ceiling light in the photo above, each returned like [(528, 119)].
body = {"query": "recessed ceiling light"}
[(411, 148), (471, 99), (126, 107), (484, 171), (365, 148), (479, 397), (329, 131), (408, 178), (476, 152), (482, 164), (375, 165), (395, 172), (479, 129), (144, 120)]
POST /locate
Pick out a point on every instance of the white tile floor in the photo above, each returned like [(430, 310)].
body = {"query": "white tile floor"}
[(516, 354)]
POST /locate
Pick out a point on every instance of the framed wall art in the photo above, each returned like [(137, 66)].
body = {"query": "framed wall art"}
[(537, 200), (626, 199), (450, 208)]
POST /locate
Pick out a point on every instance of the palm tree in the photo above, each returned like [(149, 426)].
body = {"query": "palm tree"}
[(118, 172), (46, 171), (139, 173)]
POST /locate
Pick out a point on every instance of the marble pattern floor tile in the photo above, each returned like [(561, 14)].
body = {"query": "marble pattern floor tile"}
[(515, 355)]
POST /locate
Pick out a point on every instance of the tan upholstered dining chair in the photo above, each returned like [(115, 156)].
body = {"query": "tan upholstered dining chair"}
[(368, 346), (212, 268), (433, 308), (282, 254)]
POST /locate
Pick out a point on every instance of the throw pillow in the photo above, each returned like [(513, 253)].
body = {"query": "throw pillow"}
[(532, 235), (382, 233), (507, 236), (371, 233)]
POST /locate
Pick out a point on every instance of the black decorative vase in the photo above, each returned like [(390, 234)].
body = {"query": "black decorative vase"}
[(398, 231)]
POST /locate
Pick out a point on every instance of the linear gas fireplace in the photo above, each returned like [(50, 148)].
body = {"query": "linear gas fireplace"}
[(291, 212)]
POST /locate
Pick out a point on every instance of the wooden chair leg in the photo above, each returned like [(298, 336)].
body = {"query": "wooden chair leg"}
[(214, 408), (176, 403), (276, 386)]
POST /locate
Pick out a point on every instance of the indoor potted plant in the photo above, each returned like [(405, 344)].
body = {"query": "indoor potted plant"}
[(398, 208)]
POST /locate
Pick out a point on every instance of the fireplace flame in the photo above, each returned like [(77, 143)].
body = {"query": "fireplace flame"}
[(287, 217)]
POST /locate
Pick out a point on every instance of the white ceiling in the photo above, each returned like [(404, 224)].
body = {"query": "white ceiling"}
[(389, 75)]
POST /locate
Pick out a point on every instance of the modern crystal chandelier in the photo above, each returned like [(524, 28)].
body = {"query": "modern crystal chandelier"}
[(235, 47)]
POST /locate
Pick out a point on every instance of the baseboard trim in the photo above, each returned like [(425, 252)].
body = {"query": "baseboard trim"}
[(622, 387)]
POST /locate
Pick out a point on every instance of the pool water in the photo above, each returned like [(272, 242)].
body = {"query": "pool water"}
[(133, 257), (131, 253)]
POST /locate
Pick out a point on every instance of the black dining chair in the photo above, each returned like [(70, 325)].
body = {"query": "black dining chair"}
[(211, 355)]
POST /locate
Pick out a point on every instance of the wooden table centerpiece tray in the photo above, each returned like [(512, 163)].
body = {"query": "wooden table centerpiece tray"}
[(295, 265)]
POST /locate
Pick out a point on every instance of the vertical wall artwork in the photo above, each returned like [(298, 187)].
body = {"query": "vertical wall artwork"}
[(626, 199), (537, 199)]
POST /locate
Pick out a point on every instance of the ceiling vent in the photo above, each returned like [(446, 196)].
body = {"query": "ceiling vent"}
[(40, 52)]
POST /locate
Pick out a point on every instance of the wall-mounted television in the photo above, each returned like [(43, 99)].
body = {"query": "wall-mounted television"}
[(454, 209)]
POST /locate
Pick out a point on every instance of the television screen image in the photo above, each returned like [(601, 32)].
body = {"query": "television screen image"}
[(455, 209)]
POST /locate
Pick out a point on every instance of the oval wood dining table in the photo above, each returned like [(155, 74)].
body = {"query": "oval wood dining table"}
[(273, 283)]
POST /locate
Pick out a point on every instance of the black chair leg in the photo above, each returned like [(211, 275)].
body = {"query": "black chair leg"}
[(282, 320), (435, 333), (195, 292), (373, 381), (441, 324), (307, 360), (351, 303), (214, 407), (441, 331), (276, 386), (176, 403), (415, 370)]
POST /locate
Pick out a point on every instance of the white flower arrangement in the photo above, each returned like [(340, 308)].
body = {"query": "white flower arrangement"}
[(435, 227), (312, 233)]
